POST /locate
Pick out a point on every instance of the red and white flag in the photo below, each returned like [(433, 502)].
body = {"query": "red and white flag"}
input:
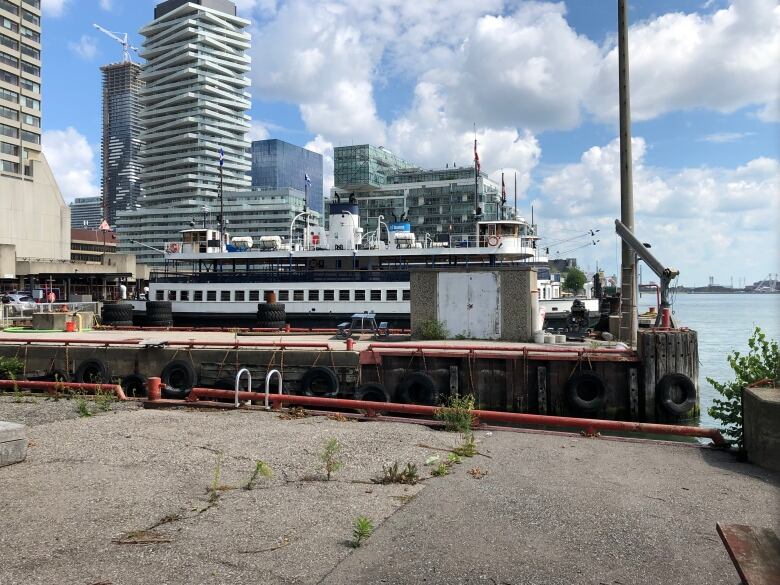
[(104, 227)]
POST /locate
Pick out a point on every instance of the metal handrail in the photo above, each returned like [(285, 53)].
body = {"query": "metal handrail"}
[(268, 377), (238, 381)]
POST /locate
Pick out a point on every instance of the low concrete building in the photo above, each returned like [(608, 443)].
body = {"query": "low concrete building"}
[(477, 303)]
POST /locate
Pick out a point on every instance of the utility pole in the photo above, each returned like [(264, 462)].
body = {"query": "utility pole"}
[(628, 285), (221, 203)]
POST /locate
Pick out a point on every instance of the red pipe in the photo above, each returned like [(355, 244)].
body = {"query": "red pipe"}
[(589, 425), (188, 343), (53, 387), (502, 348)]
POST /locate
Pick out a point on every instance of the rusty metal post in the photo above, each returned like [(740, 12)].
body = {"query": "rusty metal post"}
[(153, 391), (628, 285)]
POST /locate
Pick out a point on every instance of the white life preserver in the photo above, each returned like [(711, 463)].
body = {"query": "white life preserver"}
[(493, 241), (173, 248)]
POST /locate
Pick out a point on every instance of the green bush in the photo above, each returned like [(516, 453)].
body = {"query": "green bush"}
[(456, 415), (762, 362), (10, 368), (431, 330)]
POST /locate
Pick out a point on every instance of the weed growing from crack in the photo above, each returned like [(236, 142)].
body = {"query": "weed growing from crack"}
[(392, 474), (440, 470), (104, 399), (468, 448), (362, 529), (214, 490), (262, 469), (456, 414), (330, 457), (453, 459), (82, 408)]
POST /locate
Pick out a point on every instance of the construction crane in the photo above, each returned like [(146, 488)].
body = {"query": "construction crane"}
[(120, 38)]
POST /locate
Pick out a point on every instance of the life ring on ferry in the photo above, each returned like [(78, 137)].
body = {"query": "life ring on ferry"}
[(312, 263), (173, 248), (585, 391), (676, 393), (493, 241)]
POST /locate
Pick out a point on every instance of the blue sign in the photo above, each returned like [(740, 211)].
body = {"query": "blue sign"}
[(399, 226)]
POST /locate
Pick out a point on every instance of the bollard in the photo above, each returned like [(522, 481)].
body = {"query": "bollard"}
[(287, 328), (153, 391), (350, 344), (666, 318)]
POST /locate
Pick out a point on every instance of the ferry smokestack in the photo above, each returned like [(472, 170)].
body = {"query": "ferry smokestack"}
[(628, 285)]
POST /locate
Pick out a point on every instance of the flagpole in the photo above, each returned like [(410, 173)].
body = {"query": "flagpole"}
[(515, 195), (476, 176), (221, 211)]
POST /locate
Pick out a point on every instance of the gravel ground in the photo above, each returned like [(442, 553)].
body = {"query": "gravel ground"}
[(551, 509), (35, 409)]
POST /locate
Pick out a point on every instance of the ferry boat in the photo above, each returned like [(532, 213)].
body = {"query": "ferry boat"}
[(325, 275)]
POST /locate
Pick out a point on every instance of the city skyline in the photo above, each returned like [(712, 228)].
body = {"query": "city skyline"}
[(535, 77)]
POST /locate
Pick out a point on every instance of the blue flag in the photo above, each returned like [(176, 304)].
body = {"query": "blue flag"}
[(221, 157)]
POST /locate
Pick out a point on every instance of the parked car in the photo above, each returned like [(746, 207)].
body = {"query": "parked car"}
[(18, 304)]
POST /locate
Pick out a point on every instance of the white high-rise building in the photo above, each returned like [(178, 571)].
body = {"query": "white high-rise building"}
[(194, 101)]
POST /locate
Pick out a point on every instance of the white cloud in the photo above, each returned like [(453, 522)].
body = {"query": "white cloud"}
[(72, 161), (325, 148), (258, 131), (86, 47), (106, 4), (724, 137), (53, 8), (709, 206), (723, 61)]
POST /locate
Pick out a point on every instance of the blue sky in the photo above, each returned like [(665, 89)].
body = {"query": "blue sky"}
[(538, 80)]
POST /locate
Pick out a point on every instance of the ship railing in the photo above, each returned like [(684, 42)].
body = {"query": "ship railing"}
[(276, 276)]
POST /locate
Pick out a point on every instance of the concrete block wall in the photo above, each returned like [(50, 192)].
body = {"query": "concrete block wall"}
[(761, 412), (13, 443)]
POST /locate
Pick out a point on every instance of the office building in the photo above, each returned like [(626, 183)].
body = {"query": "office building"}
[(256, 212), (35, 219), (91, 246), (436, 202), (86, 213), (194, 101), (277, 164), (121, 143)]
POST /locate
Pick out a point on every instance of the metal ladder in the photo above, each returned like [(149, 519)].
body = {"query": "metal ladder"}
[(268, 378)]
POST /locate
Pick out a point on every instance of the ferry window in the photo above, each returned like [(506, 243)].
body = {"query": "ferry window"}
[(197, 296), (343, 295), (184, 295), (405, 295), (328, 295), (224, 295), (338, 262), (297, 295), (360, 295), (239, 295), (376, 295), (211, 295), (284, 295), (254, 295), (392, 295), (160, 295), (314, 295)]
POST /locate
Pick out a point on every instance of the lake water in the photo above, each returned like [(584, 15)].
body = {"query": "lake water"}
[(724, 323)]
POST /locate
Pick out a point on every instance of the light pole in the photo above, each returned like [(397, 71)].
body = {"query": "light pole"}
[(221, 203)]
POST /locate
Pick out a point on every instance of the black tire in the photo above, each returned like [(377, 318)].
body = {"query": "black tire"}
[(159, 322), (159, 306), (372, 392), (418, 388), (320, 381), (113, 314), (159, 313), (272, 316), (134, 386), (676, 394), (92, 371), (262, 307), (585, 391), (118, 323), (270, 325), (179, 376)]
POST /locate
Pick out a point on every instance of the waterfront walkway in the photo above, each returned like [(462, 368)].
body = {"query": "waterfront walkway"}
[(533, 509)]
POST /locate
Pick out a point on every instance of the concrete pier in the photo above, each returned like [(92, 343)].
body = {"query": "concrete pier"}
[(13, 443)]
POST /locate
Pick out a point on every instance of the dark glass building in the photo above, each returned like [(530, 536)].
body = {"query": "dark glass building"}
[(121, 144), (277, 164)]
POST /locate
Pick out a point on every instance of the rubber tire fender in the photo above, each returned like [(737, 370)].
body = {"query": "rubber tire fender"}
[(663, 394), (372, 392), (134, 386), (320, 374), (182, 373), (92, 371), (593, 382), (268, 307), (418, 388), (57, 375), (270, 325)]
